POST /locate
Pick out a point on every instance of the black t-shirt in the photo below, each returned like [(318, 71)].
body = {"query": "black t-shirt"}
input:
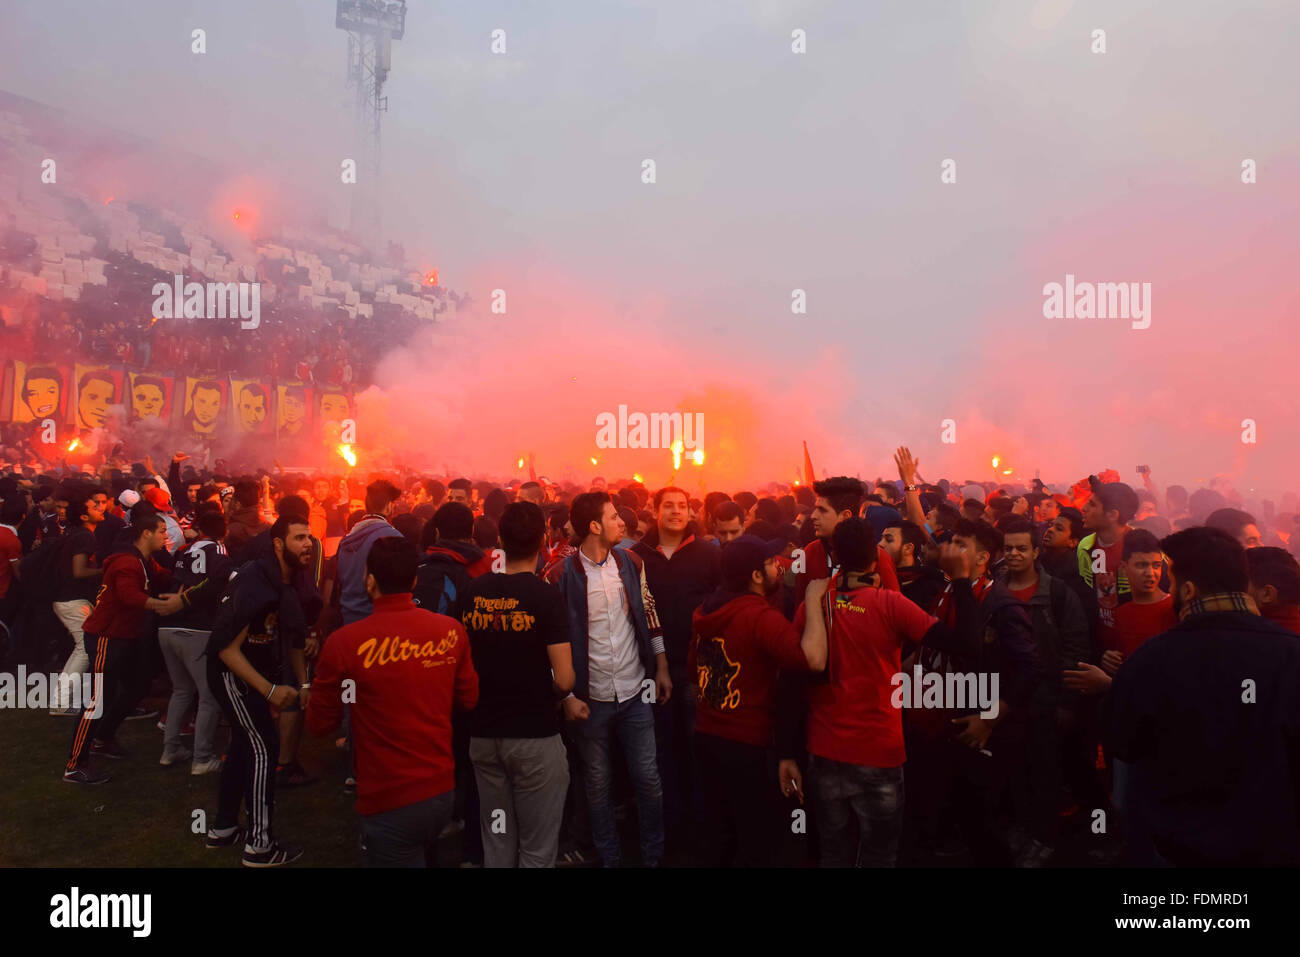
[(79, 540), (510, 620)]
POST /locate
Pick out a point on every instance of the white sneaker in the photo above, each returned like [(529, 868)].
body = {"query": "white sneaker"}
[(207, 767), (180, 754)]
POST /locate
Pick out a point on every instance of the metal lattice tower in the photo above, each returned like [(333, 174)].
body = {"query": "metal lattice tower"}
[(371, 26)]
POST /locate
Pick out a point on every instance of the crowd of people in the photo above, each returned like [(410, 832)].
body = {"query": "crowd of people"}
[(846, 673)]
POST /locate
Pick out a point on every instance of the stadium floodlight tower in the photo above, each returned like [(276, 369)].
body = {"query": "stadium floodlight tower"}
[(372, 26)]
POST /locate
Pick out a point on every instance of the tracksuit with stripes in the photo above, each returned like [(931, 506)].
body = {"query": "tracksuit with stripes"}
[(258, 599)]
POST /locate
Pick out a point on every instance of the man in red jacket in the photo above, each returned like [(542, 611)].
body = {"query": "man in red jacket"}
[(740, 642), (113, 633), (402, 669)]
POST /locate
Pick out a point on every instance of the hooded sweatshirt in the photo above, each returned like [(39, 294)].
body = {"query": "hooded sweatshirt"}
[(353, 550), (448, 561), (740, 643), (120, 610)]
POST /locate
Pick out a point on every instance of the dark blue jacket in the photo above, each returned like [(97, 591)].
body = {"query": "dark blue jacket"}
[(645, 621)]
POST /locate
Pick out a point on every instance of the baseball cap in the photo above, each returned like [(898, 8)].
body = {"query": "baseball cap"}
[(129, 499), (744, 555), (159, 499)]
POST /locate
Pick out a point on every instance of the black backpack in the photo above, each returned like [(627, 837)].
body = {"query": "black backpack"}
[(438, 584)]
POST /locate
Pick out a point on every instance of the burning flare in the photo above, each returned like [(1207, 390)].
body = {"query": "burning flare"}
[(348, 455)]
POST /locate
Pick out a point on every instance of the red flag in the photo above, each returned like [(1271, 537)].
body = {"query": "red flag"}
[(808, 476)]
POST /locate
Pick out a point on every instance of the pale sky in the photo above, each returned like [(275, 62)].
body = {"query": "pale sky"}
[(819, 171)]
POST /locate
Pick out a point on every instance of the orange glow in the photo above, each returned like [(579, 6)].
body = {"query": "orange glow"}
[(236, 214), (698, 456), (432, 278), (348, 455), (519, 464), (593, 460), (636, 477), (109, 200), (996, 460), (74, 445)]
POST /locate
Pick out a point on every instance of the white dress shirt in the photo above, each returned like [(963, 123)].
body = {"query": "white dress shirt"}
[(615, 671)]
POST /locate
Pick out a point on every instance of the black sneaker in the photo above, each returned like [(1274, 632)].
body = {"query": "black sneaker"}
[(275, 856), (83, 774), (214, 839), (141, 713), (110, 750), (574, 856)]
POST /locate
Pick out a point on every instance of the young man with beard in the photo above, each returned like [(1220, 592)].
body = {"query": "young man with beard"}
[(837, 499), (1100, 554), (740, 643), (681, 570), (1202, 721), (1060, 630), (1275, 585), (259, 625), (904, 542), (115, 635), (854, 723), (616, 644)]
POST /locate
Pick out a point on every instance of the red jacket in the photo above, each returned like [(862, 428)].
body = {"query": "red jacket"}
[(410, 667), (120, 610), (736, 651)]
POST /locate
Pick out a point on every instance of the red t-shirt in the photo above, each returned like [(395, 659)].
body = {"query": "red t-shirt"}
[(851, 718), (1135, 623), (736, 651), (1024, 594)]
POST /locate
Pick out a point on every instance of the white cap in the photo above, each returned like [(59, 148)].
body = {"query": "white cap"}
[(129, 498)]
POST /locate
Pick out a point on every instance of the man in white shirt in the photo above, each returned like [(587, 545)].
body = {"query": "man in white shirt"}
[(617, 645)]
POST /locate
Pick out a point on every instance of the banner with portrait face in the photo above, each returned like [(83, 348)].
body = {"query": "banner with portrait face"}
[(252, 407), (334, 405), (41, 391), (99, 388), (207, 404), (152, 398), (293, 410)]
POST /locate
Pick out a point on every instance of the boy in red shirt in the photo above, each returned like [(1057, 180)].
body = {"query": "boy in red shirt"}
[(406, 669), (1149, 612), (739, 643)]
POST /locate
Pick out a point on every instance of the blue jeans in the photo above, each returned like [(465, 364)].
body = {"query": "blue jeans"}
[(405, 836), (874, 796), (633, 721)]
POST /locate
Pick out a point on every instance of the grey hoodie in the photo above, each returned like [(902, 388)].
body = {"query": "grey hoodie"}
[(353, 550)]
